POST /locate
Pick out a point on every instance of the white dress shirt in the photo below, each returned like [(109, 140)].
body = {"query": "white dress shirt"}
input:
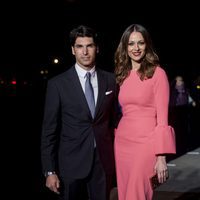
[(82, 77)]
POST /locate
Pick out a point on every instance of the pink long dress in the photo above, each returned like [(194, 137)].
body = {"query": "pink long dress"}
[(143, 132)]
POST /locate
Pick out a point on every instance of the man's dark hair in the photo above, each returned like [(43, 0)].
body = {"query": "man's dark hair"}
[(82, 31)]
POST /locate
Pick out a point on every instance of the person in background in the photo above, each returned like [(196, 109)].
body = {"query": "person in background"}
[(143, 136), (180, 95), (181, 103), (77, 133)]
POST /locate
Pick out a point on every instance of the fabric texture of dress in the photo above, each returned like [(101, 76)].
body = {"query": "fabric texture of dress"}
[(142, 133)]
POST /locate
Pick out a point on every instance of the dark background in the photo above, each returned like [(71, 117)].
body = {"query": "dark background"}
[(34, 32)]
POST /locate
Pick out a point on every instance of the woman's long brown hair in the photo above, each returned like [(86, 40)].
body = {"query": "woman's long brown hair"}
[(123, 64)]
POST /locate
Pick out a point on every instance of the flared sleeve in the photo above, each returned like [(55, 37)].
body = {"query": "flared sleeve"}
[(164, 140), (164, 136)]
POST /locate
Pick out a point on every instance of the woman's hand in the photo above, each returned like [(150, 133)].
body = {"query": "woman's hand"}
[(161, 169)]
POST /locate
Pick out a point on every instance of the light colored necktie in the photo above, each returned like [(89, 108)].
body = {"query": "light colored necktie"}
[(89, 94)]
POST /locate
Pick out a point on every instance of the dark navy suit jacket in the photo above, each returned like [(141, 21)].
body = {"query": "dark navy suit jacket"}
[(67, 143)]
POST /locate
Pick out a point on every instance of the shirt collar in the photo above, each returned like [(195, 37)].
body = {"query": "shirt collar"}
[(82, 72)]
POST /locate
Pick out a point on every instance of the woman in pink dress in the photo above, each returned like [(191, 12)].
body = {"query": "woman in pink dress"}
[(143, 136)]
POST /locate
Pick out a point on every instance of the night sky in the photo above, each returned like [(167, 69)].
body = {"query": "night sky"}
[(33, 32)]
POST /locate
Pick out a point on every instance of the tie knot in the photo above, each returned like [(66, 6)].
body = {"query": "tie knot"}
[(88, 75)]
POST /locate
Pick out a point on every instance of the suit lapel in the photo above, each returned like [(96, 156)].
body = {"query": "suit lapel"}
[(102, 85), (78, 89)]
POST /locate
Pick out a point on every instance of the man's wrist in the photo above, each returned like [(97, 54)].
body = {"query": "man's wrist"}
[(49, 173)]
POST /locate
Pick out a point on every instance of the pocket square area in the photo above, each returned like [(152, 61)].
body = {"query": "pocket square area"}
[(108, 92)]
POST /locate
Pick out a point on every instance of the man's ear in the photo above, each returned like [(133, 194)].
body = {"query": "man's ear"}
[(73, 50)]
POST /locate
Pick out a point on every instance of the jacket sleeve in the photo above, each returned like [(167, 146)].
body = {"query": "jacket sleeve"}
[(49, 137), (164, 136)]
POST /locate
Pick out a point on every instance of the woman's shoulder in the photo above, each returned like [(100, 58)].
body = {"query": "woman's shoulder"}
[(159, 69), (160, 75), (159, 72)]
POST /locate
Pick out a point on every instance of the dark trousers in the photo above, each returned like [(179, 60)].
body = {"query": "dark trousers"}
[(96, 186)]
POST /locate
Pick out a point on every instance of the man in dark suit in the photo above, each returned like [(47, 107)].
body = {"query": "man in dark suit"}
[(76, 144)]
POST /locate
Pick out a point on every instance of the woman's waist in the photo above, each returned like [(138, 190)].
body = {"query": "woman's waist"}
[(137, 124), (139, 117), (138, 113)]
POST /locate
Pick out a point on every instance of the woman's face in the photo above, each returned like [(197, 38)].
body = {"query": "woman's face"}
[(136, 46), (179, 81)]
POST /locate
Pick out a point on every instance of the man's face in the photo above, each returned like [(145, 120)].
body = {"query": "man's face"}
[(85, 51)]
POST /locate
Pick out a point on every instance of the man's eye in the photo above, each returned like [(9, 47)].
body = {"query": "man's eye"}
[(78, 46)]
